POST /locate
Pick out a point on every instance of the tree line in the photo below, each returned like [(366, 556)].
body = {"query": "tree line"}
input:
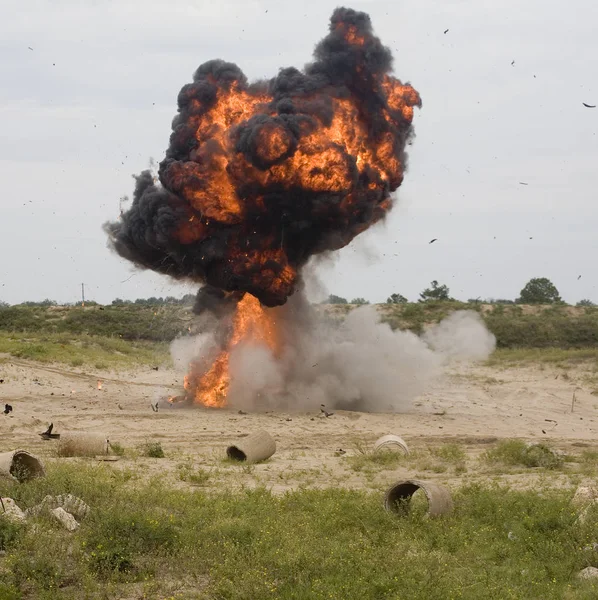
[(538, 290)]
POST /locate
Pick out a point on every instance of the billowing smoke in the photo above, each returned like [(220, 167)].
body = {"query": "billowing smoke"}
[(356, 364), (261, 176)]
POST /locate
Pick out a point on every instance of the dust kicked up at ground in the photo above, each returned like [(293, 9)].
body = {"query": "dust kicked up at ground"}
[(472, 407)]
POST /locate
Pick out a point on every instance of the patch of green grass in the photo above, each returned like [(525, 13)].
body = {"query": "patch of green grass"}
[(589, 456), (383, 459), (554, 356), (519, 453), (9, 532), (117, 449), (196, 476), (79, 350), (152, 450), (498, 544), (451, 453), (434, 459)]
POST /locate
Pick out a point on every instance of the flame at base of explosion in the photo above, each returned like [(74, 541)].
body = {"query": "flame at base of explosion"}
[(252, 323)]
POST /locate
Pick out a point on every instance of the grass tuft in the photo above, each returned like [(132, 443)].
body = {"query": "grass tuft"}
[(152, 450), (519, 453)]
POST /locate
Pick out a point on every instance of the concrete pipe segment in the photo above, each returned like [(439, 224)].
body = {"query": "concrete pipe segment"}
[(254, 448), (391, 442), (20, 465), (399, 495), (81, 443)]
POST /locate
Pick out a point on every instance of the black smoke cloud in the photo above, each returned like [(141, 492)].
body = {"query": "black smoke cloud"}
[(183, 226)]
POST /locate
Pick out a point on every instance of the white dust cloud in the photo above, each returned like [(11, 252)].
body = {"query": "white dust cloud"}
[(355, 364)]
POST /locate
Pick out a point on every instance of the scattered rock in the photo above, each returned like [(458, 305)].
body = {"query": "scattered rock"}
[(588, 573), (10, 511), (584, 495), (65, 518)]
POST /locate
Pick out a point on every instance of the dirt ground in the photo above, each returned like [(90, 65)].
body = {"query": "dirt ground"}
[(472, 406)]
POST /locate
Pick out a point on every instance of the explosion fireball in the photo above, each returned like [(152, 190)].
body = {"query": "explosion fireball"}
[(259, 177)]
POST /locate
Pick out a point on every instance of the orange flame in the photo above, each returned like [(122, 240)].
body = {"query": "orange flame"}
[(251, 324), (99, 385), (337, 155)]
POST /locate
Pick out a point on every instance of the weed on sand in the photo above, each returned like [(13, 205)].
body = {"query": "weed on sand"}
[(336, 543), (520, 453), (152, 450), (433, 459)]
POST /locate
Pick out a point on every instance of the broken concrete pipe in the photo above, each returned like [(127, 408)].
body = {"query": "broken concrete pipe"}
[(398, 497), (21, 465), (80, 443), (66, 509), (69, 503), (391, 442), (254, 448)]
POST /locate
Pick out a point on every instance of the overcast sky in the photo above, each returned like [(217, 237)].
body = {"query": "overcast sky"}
[(89, 91)]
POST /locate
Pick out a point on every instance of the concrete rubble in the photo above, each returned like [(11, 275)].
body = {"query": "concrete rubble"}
[(66, 509)]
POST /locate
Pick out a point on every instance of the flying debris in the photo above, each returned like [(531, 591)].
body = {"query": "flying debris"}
[(30, 48), (7, 409), (324, 411), (154, 405), (579, 278), (432, 241), (589, 105), (445, 31), (513, 63), (522, 183), (48, 435)]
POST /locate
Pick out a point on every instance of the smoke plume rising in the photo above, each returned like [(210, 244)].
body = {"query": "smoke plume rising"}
[(261, 176)]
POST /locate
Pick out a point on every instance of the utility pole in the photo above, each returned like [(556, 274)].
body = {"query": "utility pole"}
[(82, 294)]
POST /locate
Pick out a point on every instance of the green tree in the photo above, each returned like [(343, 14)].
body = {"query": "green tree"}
[(539, 290), (332, 299), (585, 302), (435, 292), (396, 299), (360, 301)]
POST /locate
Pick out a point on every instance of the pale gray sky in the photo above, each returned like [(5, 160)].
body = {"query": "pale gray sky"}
[(94, 99)]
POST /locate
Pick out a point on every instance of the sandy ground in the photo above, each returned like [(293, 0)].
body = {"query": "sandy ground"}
[(472, 406)]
